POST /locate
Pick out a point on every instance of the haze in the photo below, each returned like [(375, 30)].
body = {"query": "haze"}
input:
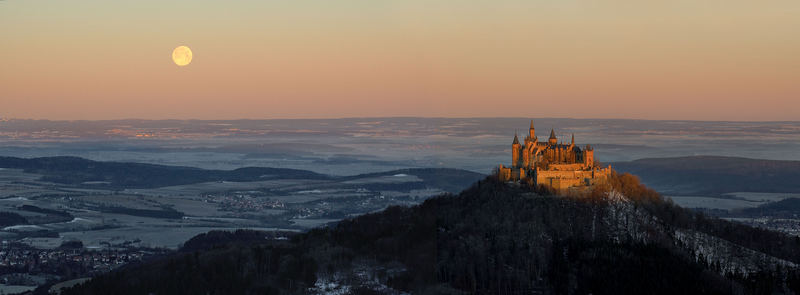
[(696, 60)]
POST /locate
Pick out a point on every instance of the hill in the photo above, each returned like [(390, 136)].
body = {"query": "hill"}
[(786, 208), (492, 238), (119, 175), (79, 171), (712, 175)]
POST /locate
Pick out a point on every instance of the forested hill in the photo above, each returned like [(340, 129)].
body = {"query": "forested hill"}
[(715, 175), (79, 171), (492, 238)]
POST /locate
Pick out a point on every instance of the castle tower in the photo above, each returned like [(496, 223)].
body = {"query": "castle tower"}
[(526, 153), (573, 140), (516, 150), (588, 156), (553, 140)]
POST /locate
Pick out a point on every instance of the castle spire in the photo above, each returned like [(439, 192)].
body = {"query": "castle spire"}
[(516, 152), (532, 131), (553, 140), (573, 139)]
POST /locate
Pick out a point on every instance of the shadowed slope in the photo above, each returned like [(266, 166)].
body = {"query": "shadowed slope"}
[(491, 239)]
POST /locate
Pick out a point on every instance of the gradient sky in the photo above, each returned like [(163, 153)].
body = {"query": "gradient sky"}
[(698, 60)]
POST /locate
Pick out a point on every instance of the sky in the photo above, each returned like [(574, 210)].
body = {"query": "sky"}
[(686, 60)]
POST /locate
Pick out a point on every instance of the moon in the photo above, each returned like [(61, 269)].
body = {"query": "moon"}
[(182, 55)]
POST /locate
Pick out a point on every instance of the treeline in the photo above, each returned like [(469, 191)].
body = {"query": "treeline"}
[(168, 213), (46, 215), (11, 218), (45, 211), (261, 268), (216, 238)]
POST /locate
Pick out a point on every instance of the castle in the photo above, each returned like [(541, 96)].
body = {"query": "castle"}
[(559, 166)]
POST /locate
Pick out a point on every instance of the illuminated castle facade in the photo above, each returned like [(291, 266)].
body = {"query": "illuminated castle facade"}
[(560, 166)]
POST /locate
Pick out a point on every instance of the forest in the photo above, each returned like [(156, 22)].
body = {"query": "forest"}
[(492, 238)]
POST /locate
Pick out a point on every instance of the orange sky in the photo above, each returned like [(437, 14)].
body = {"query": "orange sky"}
[(699, 60)]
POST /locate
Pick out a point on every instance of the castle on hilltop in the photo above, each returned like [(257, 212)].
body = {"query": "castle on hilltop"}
[(559, 166)]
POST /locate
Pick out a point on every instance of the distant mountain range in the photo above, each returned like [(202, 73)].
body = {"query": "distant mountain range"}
[(694, 175), (713, 175), (492, 238), (74, 171), (78, 171)]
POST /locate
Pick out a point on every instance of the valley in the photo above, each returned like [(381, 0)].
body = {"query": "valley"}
[(165, 217)]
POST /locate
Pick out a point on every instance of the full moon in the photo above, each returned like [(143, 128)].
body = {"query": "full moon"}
[(182, 55)]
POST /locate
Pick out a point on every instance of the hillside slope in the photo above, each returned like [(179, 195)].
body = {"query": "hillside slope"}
[(490, 239)]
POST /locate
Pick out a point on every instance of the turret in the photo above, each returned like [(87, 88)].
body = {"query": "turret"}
[(573, 140), (516, 150), (553, 140)]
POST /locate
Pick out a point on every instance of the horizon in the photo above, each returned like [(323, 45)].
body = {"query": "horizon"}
[(394, 117), (433, 142)]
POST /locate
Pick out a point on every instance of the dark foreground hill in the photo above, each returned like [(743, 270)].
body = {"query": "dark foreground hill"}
[(713, 175), (493, 238)]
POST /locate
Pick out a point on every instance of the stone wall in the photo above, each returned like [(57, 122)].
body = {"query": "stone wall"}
[(567, 167)]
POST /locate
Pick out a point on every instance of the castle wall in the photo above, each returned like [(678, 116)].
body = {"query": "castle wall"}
[(565, 174), (560, 180), (562, 184), (566, 167)]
